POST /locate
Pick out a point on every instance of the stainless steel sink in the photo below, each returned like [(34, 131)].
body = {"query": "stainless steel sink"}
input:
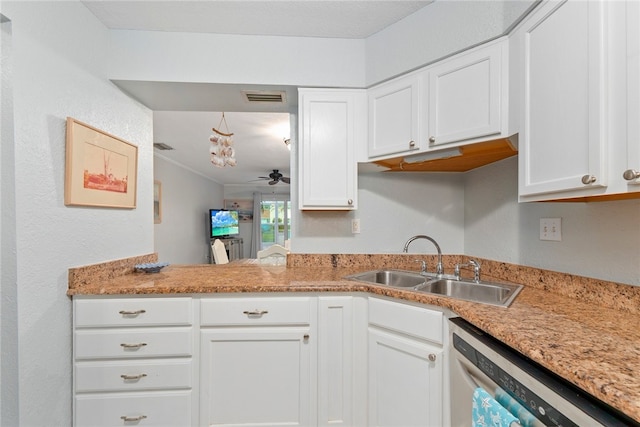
[(394, 278), (500, 294), (484, 292)]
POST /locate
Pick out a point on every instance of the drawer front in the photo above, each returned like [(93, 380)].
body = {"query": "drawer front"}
[(133, 375), (408, 319), (255, 311), (166, 409), (119, 312), (133, 343)]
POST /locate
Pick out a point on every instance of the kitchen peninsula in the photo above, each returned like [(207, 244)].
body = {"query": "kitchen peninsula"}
[(584, 330)]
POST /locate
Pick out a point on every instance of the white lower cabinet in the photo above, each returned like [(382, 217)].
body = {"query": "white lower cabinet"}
[(256, 361), (255, 377), (406, 365), (273, 360), (133, 361)]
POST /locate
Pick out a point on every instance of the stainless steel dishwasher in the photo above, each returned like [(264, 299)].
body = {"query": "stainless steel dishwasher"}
[(479, 360)]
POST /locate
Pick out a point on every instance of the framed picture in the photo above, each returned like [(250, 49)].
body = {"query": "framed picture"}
[(101, 169), (157, 202), (244, 208)]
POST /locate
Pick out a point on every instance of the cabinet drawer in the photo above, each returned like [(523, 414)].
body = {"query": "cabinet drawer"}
[(408, 319), (133, 312), (255, 311), (134, 343), (149, 409), (133, 375)]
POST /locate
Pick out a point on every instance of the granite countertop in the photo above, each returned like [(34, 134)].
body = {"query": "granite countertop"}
[(593, 346)]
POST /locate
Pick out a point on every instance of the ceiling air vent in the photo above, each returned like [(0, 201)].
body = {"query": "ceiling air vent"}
[(162, 146), (265, 96)]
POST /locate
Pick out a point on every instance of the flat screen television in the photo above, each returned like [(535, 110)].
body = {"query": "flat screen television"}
[(223, 223)]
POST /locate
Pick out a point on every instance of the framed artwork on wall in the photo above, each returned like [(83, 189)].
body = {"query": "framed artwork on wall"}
[(157, 202), (244, 208), (100, 170)]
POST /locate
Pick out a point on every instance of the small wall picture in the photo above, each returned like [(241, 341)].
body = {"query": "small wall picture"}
[(157, 202), (244, 208), (100, 169)]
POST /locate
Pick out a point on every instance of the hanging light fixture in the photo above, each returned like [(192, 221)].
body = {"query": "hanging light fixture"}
[(221, 148)]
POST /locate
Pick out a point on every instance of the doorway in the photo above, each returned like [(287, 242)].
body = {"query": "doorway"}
[(275, 222)]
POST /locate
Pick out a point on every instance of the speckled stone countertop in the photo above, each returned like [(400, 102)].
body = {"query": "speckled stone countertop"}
[(586, 331)]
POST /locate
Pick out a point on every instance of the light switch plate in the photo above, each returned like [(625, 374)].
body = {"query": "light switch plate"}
[(551, 229), (355, 225)]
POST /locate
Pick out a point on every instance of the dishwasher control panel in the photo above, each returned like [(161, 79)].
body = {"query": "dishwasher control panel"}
[(542, 410)]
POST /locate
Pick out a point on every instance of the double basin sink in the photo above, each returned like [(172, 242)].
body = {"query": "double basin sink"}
[(499, 294)]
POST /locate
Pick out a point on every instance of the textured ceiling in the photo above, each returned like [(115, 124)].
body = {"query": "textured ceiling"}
[(303, 18)]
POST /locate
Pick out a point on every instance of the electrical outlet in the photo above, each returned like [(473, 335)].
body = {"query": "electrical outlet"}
[(355, 225), (551, 229)]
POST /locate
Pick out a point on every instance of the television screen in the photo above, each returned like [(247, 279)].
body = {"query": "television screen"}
[(223, 223)]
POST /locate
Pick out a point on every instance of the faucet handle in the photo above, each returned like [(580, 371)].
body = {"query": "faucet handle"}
[(471, 263), (476, 269), (423, 265)]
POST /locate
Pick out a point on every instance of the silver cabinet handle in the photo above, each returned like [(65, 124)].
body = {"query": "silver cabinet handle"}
[(631, 174), (138, 345), (132, 377), (432, 357), (412, 144), (255, 312), (305, 337), (132, 313), (588, 179), (133, 419), (432, 139), (350, 201)]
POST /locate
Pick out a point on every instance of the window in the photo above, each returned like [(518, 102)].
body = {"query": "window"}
[(275, 221)]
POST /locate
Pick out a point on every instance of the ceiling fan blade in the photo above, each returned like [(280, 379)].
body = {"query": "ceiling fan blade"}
[(286, 180), (273, 182)]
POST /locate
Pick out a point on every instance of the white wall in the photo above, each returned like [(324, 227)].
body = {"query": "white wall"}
[(181, 237), (436, 31), (599, 239), (391, 207), (8, 259), (59, 64), (216, 58)]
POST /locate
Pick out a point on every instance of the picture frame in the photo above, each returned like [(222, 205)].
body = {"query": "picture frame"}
[(244, 208), (157, 202), (100, 170)]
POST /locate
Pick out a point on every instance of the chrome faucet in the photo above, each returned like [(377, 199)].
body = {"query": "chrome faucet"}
[(439, 268), (471, 263)]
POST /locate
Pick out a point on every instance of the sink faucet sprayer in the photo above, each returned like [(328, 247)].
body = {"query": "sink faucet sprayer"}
[(439, 268)]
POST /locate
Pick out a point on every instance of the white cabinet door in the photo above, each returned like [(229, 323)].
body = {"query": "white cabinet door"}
[(394, 116), (633, 95), (255, 376), (563, 130), (468, 95), (332, 123), (335, 361), (405, 381)]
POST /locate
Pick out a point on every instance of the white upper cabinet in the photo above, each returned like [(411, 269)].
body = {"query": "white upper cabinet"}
[(332, 124), (468, 95), (562, 140), (574, 62), (395, 111), (632, 171), (457, 101)]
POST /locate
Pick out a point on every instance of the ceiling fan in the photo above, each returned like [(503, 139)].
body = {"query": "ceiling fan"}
[(275, 177)]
